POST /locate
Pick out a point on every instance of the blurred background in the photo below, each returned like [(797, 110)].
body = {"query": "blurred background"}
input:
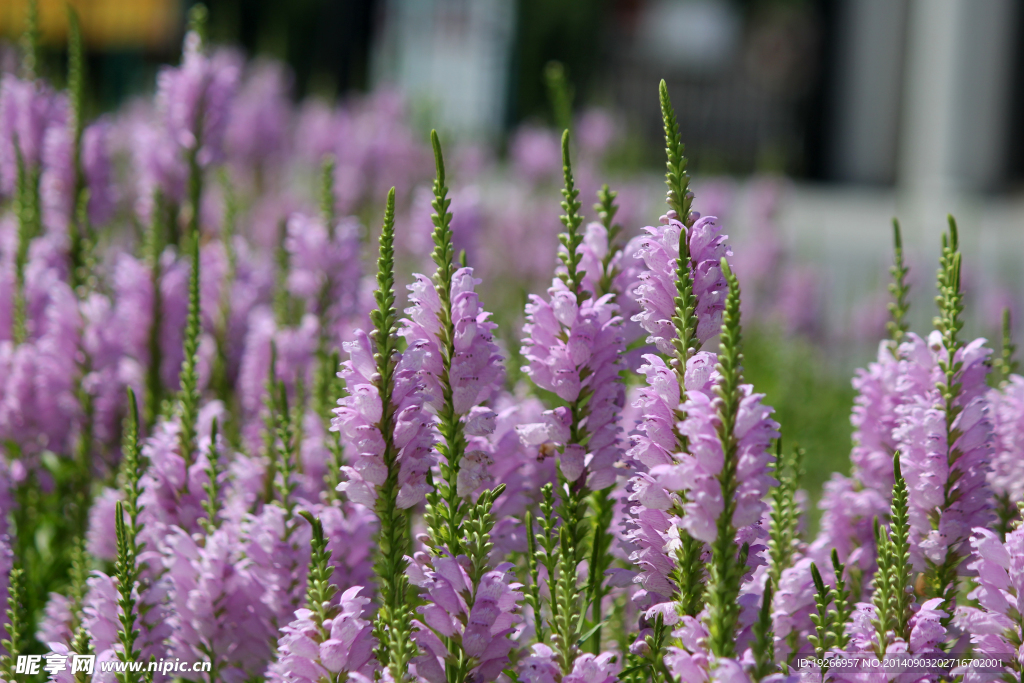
[(809, 124), (920, 93)]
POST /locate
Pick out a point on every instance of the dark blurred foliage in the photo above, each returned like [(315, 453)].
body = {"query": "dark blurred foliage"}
[(1015, 151), (766, 109), (325, 42), (572, 32)]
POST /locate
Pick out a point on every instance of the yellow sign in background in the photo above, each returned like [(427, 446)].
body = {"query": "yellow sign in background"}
[(106, 24)]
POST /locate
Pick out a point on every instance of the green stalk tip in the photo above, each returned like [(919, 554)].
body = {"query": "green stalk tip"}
[(198, 17), (572, 238), (819, 584), (560, 94), (133, 411), (435, 143), (897, 325), (679, 198), (30, 39), (566, 163)]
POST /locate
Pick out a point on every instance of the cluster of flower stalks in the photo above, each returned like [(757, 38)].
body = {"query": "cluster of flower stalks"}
[(223, 442)]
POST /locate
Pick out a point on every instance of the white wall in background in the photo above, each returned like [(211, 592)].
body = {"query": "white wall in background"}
[(451, 57), (700, 36), (984, 90), (959, 68), (869, 83)]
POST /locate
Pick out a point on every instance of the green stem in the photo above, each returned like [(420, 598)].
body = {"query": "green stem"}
[(393, 625), (155, 242), (727, 567)]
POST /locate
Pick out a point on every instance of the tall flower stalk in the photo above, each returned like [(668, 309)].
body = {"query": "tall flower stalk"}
[(736, 490), (128, 569), (461, 365), (574, 345), (945, 435), (447, 321), (327, 639), (679, 317), (384, 420)]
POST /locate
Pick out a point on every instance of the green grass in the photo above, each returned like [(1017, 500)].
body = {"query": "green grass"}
[(811, 403)]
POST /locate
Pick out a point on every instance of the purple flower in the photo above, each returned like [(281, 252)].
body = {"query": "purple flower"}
[(158, 165), (792, 608), (589, 668), (656, 440), (246, 486), (357, 419), (955, 488), (55, 626), (98, 171), (482, 630), (651, 533), (115, 340), (226, 302), (324, 267), (173, 314), (539, 666), (522, 469), (38, 407), (847, 523), (798, 301), (476, 371), (689, 660), (927, 633), (698, 470), (372, 145), (28, 109), (874, 420), (194, 99), (657, 290), (100, 612), (305, 655), (1007, 414), (109, 370), (277, 543), (257, 129), (350, 530), (572, 349), (597, 130), (536, 153), (315, 130), (216, 611), (995, 626), (100, 542), (101, 618), (172, 489), (654, 531), (625, 269), (57, 182), (467, 224), (133, 306), (296, 357)]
